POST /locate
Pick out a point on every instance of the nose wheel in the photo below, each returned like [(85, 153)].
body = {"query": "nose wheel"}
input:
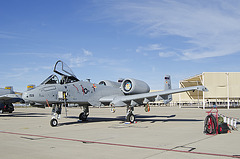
[(54, 122), (56, 112)]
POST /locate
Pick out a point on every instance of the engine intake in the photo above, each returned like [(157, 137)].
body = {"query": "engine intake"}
[(133, 86), (110, 83)]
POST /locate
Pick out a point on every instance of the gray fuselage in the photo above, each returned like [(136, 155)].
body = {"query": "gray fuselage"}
[(80, 92)]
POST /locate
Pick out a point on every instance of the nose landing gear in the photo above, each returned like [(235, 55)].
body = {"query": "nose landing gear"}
[(56, 112), (54, 122)]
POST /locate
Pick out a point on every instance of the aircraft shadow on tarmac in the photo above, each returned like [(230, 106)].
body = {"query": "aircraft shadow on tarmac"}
[(24, 115), (139, 118)]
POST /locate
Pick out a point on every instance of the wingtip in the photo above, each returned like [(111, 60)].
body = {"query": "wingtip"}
[(205, 89), (202, 88)]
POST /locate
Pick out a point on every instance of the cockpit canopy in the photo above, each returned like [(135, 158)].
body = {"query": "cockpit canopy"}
[(62, 69)]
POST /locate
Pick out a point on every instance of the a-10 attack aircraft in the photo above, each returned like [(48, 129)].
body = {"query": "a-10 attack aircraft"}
[(7, 97), (69, 89)]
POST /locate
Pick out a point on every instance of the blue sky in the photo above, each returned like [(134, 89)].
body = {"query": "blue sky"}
[(118, 39)]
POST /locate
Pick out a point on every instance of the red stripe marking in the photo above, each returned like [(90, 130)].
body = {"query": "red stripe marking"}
[(83, 90), (121, 145), (47, 103), (76, 88)]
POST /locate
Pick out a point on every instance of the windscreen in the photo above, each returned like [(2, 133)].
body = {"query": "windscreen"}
[(52, 79)]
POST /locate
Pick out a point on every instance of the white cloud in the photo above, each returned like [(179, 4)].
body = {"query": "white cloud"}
[(210, 28), (167, 54), (87, 53), (156, 48), (151, 47), (72, 59), (8, 35), (77, 61)]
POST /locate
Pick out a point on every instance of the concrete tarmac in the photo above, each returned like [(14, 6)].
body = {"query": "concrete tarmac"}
[(164, 132)]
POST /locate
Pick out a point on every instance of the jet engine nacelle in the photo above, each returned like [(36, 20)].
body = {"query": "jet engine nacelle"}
[(110, 83), (133, 86)]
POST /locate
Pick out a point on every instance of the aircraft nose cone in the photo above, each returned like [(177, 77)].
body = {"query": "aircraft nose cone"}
[(25, 96)]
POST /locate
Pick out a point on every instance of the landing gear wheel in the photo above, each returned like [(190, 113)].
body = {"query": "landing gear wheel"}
[(130, 118), (83, 116), (54, 122)]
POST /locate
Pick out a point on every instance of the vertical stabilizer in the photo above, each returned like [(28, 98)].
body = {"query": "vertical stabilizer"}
[(10, 89), (167, 86), (30, 87)]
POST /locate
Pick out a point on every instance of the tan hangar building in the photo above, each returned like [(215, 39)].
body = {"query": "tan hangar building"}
[(224, 90)]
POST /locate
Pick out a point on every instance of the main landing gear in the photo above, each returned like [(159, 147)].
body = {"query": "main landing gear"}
[(8, 108), (83, 116), (130, 116)]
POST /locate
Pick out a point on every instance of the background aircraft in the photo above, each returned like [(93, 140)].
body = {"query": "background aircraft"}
[(69, 89), (7, 97)]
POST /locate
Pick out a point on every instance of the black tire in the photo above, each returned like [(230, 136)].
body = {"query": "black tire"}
[(82, 116), (11, 108), (54, 122), (210, 124), (130, 118)]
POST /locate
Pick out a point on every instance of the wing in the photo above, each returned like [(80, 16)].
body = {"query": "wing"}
[(147, 97), (10, 97)]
